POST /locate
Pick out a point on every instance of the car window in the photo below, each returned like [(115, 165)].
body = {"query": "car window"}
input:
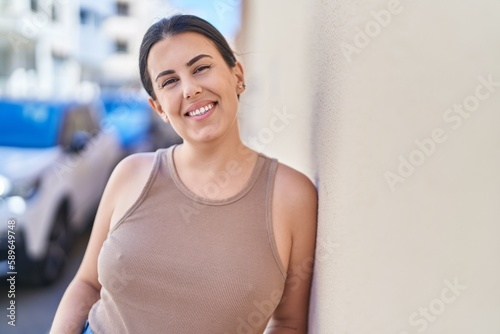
[(78, 118)]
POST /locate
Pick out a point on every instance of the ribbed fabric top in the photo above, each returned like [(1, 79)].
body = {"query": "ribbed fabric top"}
[(180, 263)]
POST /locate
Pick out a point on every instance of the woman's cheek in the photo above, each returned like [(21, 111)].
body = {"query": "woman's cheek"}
[(170, 105)]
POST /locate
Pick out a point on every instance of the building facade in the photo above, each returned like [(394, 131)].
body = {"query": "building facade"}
[(65, 49)]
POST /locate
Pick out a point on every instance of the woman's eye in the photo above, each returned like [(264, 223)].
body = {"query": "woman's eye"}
[(201, 68), (168, 82)]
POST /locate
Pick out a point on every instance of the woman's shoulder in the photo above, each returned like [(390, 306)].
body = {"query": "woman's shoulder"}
[(295, 203), (131, 172), (134, 169), (134, 161), (127, 182), (294, 191), (291, 180)]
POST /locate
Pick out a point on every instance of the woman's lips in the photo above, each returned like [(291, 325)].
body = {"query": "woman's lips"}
[(203, 112)]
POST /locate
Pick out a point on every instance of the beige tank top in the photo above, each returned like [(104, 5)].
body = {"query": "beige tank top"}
[(180, 263)]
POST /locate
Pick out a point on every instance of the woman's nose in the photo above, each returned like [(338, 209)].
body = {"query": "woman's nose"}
[(191, 88)]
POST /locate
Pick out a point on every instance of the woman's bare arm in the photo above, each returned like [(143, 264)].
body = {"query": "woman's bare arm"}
[(296, 203)]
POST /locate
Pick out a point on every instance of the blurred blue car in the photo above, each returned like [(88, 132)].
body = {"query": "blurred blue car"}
[(55, 160)]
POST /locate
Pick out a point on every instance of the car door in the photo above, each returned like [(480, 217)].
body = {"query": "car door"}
[(88, 158), (101, 154)]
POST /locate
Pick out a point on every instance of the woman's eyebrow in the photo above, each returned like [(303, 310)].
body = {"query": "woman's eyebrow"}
[(167, 72), (189, 63), (195, 59)]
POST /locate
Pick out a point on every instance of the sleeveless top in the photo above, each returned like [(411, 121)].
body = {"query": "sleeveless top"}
[(180, 263)]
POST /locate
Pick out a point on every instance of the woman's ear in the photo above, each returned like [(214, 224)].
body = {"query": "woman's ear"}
[(158, 109), (240, 75)]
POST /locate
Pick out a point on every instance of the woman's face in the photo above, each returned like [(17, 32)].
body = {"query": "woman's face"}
[(194, 87)]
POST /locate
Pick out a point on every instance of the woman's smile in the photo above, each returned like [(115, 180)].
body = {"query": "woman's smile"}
[(201, 110)]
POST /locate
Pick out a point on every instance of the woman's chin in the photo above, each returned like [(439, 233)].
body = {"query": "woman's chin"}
[(212, 133), (206, 136)]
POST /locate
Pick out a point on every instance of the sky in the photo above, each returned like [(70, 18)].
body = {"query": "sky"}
[(223, 14)]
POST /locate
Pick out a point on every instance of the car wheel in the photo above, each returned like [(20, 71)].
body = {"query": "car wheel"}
[(54, 262)]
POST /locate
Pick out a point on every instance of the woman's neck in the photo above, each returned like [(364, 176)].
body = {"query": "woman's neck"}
[(215, 156), (229, 165)]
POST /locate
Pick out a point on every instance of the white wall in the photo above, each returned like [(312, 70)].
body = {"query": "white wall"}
[(387, 255)]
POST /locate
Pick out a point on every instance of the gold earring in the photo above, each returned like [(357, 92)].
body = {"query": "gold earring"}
[(164, 117)]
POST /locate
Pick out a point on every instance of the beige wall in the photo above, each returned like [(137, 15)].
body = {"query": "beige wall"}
[(409, 225), (275, 108)]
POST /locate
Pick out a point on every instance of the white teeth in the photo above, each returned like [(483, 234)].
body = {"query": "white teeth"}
[(201, 111)]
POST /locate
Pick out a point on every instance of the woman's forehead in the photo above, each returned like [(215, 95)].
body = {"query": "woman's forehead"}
[(178, 49)]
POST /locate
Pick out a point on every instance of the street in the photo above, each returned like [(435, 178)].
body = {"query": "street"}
[(35, 307)]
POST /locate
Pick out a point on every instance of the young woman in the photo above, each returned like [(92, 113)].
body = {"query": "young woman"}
[(205, 237)]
